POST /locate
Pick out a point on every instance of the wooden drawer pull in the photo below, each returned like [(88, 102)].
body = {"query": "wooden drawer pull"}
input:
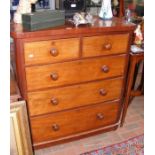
[(107, 46), (54, 76), (100, 116), (55, 127), (54, 52), (105, 69), (54, 101), (103, 92)]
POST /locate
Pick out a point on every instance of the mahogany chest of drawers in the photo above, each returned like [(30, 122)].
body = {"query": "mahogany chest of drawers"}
[(72, 79)]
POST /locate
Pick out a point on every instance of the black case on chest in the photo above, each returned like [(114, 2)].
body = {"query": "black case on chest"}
[(71, 6)]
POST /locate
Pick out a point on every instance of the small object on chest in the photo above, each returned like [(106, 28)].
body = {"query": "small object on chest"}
[(81, 18), (43, 19), (71, 6), (106, 11)]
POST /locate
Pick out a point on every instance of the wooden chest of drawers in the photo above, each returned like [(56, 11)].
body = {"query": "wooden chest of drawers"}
[(72, 78)]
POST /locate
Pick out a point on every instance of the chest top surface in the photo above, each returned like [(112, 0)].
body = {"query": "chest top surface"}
[(99, 26)]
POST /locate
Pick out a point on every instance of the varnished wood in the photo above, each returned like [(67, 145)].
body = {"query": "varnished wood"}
[(40, 52), (20, 68), (68, 29), (73, 96), (68, 121), (74, 72), (14, 88), (78, 74), (76, 136), (121, 8), (98, 45)]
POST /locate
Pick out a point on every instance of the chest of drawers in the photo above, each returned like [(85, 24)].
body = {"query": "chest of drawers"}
[(72, 79)]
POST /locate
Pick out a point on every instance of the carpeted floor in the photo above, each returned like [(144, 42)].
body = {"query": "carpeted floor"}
[(132, 146), (134, 126)]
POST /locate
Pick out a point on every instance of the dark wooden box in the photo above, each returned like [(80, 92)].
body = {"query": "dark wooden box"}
[(43, 19)]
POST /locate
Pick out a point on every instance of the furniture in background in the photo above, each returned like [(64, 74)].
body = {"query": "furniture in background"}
[(122, 11), (136, 8), (73, 79), (19, 130), (20, 139), (135, 60), (14, 90)]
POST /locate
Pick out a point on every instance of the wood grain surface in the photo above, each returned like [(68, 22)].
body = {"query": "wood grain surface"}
[(53, 126), (52, 100), (105, 45), (51, 51), (73, 72)]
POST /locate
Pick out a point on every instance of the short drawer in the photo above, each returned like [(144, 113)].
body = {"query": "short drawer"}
[(73, 72), (63, 124), (105, 45), (52, 100), (51, 51)]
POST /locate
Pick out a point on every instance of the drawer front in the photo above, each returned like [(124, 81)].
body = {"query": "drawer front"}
[(62, 124), (105, 45), (53, 100), (51, 51), (74, 72)]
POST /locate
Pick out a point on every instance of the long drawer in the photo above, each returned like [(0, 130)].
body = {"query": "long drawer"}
[(74, 72), (105, 45), (51, 51), (62, 124), (52, 100)]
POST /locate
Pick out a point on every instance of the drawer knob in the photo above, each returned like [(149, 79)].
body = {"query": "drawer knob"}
[(55, 127), (54, 76), (103, 92), (100, 116), (107, 46), (54, 101), (54, 52), (105, 69)]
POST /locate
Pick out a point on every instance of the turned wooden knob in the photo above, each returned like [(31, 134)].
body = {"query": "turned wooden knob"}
[(103, 92), (100, 116), (54, 101), (54, 52), (55, 127), (107, 46), (105, 69), (54, 76)]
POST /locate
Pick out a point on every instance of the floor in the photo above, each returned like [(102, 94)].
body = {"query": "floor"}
[(133, 126)]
